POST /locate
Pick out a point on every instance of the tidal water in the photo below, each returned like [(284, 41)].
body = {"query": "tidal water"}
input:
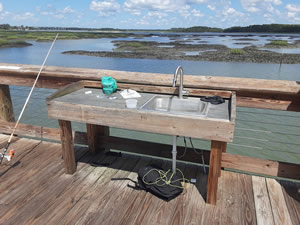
[(259, 133)]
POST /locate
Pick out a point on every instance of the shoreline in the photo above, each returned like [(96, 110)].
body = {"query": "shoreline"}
[(200, 52)]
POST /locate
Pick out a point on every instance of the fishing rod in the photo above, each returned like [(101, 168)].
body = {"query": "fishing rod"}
[(11, 153)]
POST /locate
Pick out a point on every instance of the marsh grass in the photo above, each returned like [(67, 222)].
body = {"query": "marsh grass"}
[(49, 36), (279, 43), (10, 43), (3, 42), (135, 45), (237, 51)]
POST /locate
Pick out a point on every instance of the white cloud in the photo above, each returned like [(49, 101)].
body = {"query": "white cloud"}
[(59, 16), (211, 7), (24, 16), (182, 7), (293, 12), (1, 7), (157, 14), (293, 8), (196, 1), (197, 13), (166, 5), (105, 8), (254, 6), (67, 10)]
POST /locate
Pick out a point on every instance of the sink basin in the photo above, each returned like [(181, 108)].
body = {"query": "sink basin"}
[(175, 105)]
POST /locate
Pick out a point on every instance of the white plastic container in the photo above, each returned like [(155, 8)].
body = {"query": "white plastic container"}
[(131, 103)]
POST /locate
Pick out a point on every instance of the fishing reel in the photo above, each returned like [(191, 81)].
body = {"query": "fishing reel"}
[(9, 155)]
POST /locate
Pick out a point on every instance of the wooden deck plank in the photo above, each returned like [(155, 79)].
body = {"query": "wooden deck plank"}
[(291, 193), (234, 201), (147, 201), (65, 202), (175, 210), (21, 147), (185, 201), (106, 199), (136, 208), (35, 160), (78, 207), (230, 202), (4, 138), (195, 207), (72, 194), (36, 191), (40, 185), (264, 215), (87, 206), (15, 189), (123, 199), (157, 209), (247, 211), (278, 203)]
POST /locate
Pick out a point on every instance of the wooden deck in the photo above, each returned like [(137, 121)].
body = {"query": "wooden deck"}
[(35, 190)]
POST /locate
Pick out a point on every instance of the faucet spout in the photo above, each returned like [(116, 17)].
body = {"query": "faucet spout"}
[(181, 90)]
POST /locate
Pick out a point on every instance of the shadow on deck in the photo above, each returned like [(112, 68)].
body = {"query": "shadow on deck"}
[(35, 190)]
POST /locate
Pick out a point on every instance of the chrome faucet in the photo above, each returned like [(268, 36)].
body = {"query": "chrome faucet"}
[(181, 90)]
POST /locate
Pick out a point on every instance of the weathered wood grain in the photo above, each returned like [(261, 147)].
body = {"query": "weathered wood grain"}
[(67, 146), (73, 197), (247, 207), (211, 129), (93, 135), (264, 215), (278, 203), (291, 193), (261, 166), (6, 107), (267, 94), (48, 196), (188, 201), (227, 83), (101, 199), (43, 192), (121, 203), (214, 170)]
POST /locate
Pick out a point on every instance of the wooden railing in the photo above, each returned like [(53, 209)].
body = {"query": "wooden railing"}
[(256, 93)]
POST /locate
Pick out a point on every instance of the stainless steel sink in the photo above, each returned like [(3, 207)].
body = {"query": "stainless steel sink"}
[(175, 105)]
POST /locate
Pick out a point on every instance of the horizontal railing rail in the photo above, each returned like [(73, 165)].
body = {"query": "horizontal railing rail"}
[(255, 93)]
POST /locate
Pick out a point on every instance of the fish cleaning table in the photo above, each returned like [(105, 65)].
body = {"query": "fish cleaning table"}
[(80, 103)]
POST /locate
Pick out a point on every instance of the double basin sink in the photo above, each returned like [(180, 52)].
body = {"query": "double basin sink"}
[(175, 105)]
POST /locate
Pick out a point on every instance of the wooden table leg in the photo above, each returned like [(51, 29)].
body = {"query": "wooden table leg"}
[(214, 170), (93, 134), (67, 146), (224, 149)]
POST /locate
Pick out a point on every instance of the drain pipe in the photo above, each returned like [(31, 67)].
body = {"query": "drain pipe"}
[(174, 153)]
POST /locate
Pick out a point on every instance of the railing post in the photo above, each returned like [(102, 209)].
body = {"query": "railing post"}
[(6, 107)]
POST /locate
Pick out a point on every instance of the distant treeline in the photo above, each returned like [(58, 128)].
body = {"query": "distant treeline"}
[(265, 28), (197, 29)]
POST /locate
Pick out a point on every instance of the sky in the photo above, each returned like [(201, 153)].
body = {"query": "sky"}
[(148, 14)]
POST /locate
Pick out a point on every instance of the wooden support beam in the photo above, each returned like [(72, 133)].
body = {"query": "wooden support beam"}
[(214, 170), (224, 149), (108, 142), (238, 162), (67, 146), (93, 135), (261, 166), (6, 107), (153, 149)]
